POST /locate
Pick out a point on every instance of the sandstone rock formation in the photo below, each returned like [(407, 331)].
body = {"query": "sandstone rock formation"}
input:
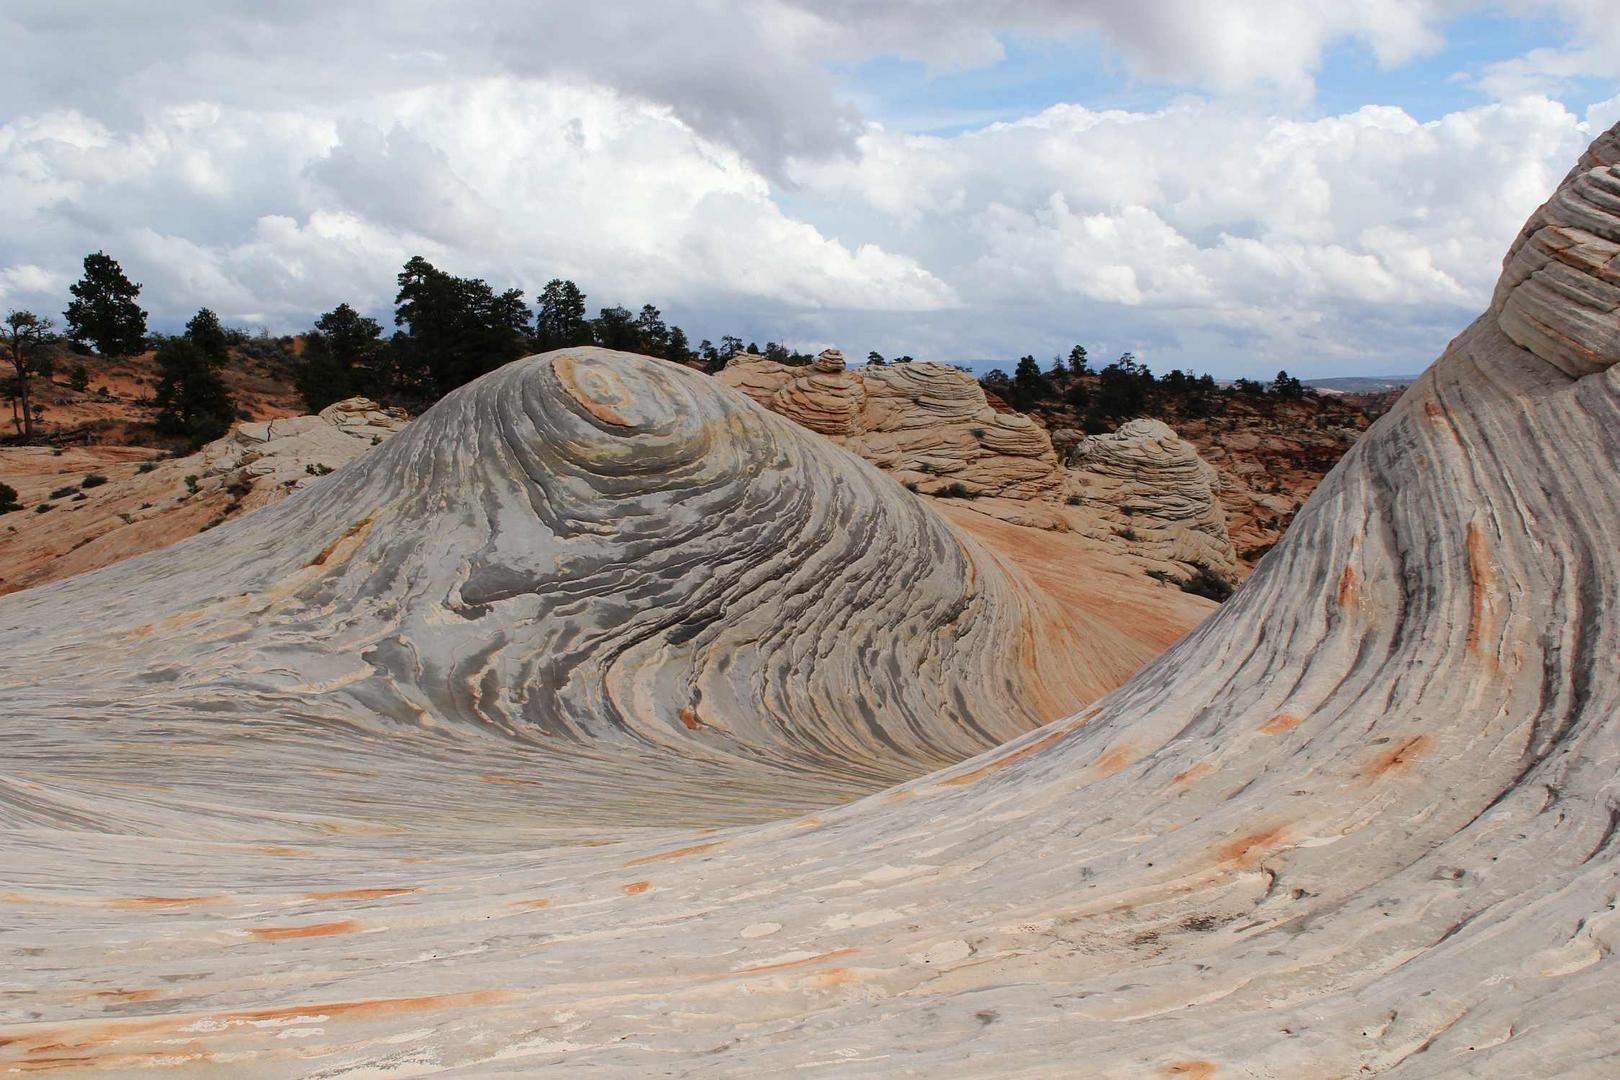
[(927, 424), (1151, 487), (150, 501), (395, 777)]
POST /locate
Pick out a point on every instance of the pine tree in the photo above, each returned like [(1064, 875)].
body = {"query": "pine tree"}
[(1077, 360), (340, 356), (24, 338), (651, 330), (615, 328), (679, 349), (191, 397), (1287, 387), (205, 332), (457, 329), (561, 322), (104, 312), (1029, 385)]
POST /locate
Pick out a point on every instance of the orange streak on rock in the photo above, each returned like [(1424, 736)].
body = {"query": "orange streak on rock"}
[(1398, 756), (350, 533), (1187, 776), (1248, 849), (357, 894), (637, 887), (1194, 1070), (491, 778), (678, 853), (1347, 587), (1481, 579), (162, 901), (1280, 723), (1115, 759), (283, 933), (788, 965)]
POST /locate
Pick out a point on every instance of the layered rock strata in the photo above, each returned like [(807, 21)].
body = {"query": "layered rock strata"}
[(927, 424), (1361, 822), (1150, 487)]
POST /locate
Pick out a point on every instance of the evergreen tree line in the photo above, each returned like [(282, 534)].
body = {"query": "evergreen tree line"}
[(450, 330), (1127, 388)]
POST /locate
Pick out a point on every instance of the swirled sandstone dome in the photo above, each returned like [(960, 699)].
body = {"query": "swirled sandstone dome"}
[(276, 800), (1147, 483)]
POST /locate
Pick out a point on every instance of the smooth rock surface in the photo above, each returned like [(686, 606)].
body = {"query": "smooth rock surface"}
[(284, 800)]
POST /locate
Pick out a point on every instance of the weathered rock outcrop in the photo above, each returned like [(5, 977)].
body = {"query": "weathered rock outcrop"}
[(1151, 487), (927, 424), (148, 501), (395, 777)]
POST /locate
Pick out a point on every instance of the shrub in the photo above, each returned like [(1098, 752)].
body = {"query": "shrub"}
[(239, 487), (955, 491), (1074, 500), (8, 499), (1126, 533), (93, 480), (146, 466), (1206, 583), (317, 469), (79, 378), (191, 485), (64, 492), (41, 508)]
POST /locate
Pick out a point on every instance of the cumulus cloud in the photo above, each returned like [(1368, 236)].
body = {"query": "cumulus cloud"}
[(270, 161), (1290, 230), (273, 214)]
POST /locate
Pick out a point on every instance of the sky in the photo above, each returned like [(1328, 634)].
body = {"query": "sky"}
[(1232, 188)]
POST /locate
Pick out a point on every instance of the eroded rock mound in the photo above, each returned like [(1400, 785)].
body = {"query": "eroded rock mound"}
[(1361, 822), (927, 424), (150, 501), (1151, 488)]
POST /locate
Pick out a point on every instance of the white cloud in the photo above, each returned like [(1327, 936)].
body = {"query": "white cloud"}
[(515, 181), (1291, 230), (272, 161)]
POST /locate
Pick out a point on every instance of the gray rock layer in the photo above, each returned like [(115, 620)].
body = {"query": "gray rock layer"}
[(1360, 822)]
